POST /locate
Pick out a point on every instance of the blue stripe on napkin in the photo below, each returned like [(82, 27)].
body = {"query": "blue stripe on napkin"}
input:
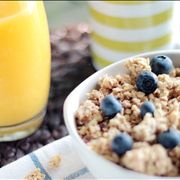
[(37, 163), (76, 174)]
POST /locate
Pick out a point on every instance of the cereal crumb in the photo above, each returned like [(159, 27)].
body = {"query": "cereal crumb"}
[(54, 162), (35, 175)]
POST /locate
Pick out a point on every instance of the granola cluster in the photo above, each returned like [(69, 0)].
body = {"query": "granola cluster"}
[(97, 131), (35, 175), (54, 162)]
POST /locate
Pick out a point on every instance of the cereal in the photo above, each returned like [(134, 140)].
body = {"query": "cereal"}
[(152, 160), (35, 175), (98, 131), (120, 123), (135, 66), (145, 130), (54, 162), (175, 155), (87, 112)]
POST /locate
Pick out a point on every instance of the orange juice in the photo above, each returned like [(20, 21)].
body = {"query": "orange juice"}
[(24, 61)]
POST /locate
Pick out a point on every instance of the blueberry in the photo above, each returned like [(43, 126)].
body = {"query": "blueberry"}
[(121, 143), (169, 139), (161, 64), (110, 106), (147, 107), (147, 82)]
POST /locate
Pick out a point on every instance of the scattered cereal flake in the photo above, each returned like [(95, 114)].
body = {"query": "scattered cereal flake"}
[(152, 160), (54, 162), (35, 175)]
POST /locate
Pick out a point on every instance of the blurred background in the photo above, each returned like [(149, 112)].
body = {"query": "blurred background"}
[(62, 13)]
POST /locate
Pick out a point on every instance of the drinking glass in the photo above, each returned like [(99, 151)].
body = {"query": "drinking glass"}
[(24, 67)]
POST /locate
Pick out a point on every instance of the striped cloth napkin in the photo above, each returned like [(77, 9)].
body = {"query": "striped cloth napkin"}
[(70, 166)]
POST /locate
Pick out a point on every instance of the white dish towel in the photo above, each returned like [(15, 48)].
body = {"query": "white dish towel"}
[(71, 167)]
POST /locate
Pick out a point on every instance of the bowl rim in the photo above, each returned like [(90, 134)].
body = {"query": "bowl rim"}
[(73, 131)]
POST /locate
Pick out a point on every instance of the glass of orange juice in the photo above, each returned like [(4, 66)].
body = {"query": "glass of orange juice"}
[(24, 67)]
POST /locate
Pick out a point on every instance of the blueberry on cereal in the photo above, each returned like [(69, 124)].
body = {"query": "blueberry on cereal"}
[(147, 107), (169, 139), (161, 64), (121, 143), (110, 106), (147, 82)]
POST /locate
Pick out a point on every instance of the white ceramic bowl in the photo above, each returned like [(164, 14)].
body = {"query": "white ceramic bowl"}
[(99, 166)]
